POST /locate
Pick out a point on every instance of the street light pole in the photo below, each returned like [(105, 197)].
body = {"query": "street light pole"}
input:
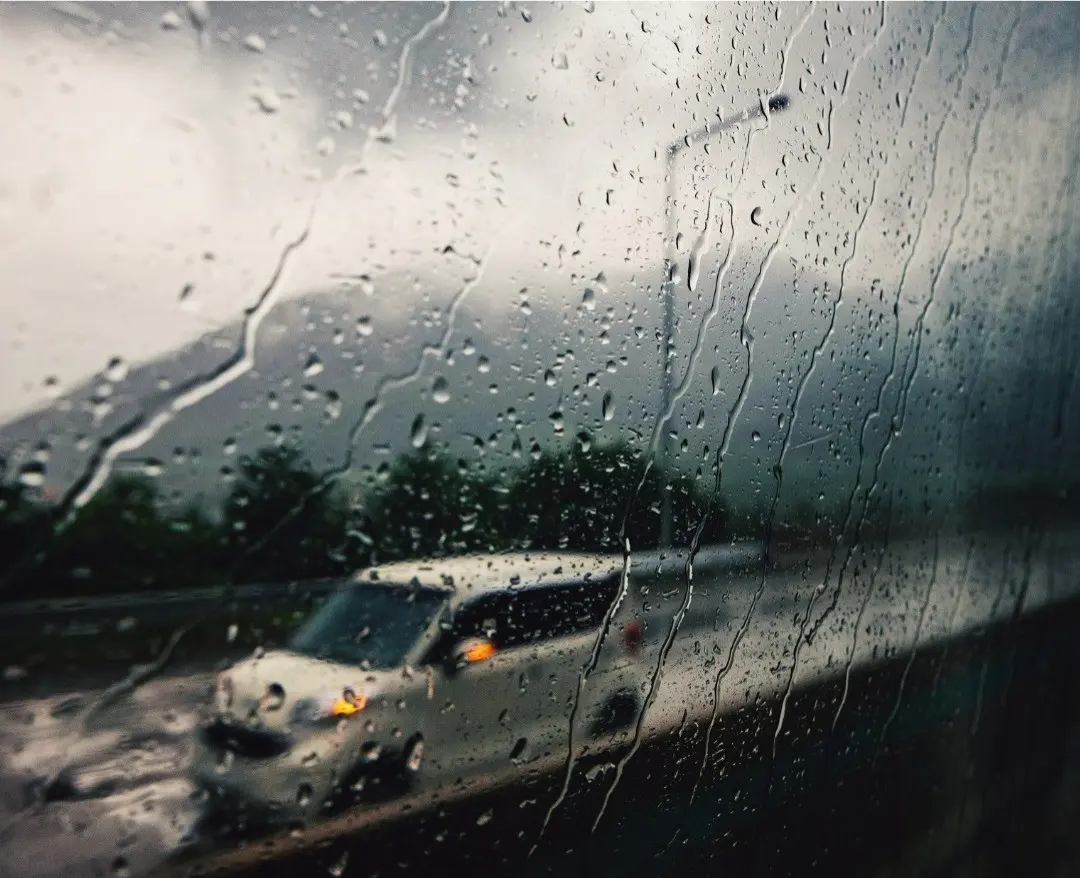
[(762, 109)]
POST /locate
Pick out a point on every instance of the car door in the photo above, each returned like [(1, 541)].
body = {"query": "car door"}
[(475, 701)]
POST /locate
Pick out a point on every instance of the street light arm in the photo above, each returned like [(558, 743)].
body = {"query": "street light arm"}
[(775, 104)]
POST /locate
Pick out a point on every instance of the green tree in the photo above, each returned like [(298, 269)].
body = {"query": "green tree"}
[(580, 500), (280, 522), (23, 524), (427, 505), (120, 541)]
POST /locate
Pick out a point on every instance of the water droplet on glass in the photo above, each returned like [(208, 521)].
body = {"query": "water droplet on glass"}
[(557, 421), (171, 21), (52, 386), (254, 43), (116, 370), (526, 16), (755, 436), (337, 868), (120, 867), (231, 632), (559, 61), (199, 10), (32, 475), (549, 378), (756, 216), (607, 407), (313, 366), (325, 146), (419, 432), (363, 326), (485, 818), (303, 795), (440, 390), (360, 96), (588, 299), (590, 6), (584, 441), (483, 364), (266, 99), (780, 421), (535, 451), (714, 377), (379, 39), (596, 771)]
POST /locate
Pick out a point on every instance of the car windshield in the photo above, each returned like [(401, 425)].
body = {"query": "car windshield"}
[(370, 625)]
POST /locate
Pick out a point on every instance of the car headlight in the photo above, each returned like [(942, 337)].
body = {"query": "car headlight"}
[(309, 711)]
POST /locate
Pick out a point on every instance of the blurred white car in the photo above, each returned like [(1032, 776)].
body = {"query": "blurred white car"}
[(450, 666), (456, 667)]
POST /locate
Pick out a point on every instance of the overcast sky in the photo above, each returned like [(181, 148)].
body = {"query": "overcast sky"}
[(488, 163)]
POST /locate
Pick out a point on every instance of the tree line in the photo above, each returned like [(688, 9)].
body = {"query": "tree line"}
[(281, 520)]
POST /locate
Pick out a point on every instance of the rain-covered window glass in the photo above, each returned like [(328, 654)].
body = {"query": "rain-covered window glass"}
[(539, 438)]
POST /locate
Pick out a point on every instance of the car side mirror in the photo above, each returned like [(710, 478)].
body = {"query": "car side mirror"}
[(470, 651)]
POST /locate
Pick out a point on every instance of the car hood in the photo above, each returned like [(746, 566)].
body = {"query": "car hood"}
[(305, 680)]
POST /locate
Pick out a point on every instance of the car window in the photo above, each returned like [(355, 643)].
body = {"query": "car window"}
[(536, 613), (369, 625)]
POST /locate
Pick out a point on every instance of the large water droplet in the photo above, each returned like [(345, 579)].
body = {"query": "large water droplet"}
[(303, 795), (171, 21), (116, 370), (607, 407), (485, 818), (32, 475), (557, 421), (419, 432), (363, 326), (588, 299), (337, 868), (199, 10), (440, 390), (313, 366), (549, 378), (559, 61), (254, 43), (714, 377), (266, 99), (756, 216)]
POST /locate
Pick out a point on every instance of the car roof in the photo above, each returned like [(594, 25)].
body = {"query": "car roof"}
[(470, 574)]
